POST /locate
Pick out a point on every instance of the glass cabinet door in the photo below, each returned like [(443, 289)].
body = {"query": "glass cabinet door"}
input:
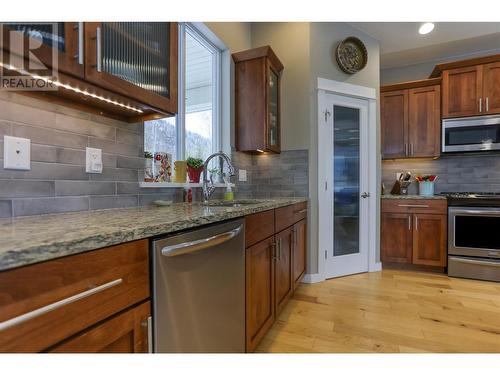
[(273, 127), (140, 58), (43, 37)]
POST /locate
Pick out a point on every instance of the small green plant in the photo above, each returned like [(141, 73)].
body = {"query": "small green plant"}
[(195, 163), (148, 155)]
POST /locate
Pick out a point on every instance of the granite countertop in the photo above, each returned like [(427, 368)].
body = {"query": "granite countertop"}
[(34, 239), (390, 196)]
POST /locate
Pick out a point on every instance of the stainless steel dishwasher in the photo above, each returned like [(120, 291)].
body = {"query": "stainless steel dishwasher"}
[(199, 290)]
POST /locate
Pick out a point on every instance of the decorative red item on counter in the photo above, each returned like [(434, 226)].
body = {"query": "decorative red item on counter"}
[(430, 178)]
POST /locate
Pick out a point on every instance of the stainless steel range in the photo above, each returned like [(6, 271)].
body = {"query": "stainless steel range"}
[(474, 235)]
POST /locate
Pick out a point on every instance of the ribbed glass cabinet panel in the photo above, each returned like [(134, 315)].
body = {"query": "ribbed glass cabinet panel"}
[(138, 52), (49, 33)]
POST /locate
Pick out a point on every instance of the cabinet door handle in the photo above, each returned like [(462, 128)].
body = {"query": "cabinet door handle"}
[(487, 104), (79, 54), (301, 211), (98, 47), (409, 222), (416, 223), (56, 305), (280, 246), (406, 149), (480, 104), (411, 149), (274, 245), (149, 327)]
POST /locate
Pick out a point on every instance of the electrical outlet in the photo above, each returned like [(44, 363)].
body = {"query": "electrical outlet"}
[(17, 153), (93, 158), (242, 175)]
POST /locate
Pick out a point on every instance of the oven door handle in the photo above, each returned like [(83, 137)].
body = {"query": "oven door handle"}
[(476, 262), (474, 212)]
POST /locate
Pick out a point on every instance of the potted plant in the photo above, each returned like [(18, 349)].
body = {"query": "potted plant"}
[(194, 169), (148, 166)]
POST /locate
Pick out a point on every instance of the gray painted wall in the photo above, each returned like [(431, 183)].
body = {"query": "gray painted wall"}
[(324, 37)]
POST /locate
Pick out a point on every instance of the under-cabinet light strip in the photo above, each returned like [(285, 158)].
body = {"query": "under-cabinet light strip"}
[(71, 88)]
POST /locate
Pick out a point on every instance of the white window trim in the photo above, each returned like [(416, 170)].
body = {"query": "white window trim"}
[(221, 98)]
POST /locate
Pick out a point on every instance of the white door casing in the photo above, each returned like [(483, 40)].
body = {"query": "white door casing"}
[(332, 93)]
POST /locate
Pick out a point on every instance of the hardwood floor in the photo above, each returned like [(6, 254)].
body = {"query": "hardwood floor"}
[(390, 311)]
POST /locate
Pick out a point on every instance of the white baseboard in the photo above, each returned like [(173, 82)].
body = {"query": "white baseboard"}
[(311, 278), (375, 267)]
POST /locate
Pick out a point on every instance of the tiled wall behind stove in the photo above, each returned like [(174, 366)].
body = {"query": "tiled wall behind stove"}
[(476, 173), (57, 181)]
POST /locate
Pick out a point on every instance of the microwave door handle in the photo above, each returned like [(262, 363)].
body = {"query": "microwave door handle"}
[(197, 245)]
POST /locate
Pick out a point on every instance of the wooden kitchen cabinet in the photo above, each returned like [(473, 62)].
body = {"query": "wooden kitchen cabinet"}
[(127, 332), (394, 119), (424, 121), (257, 100), (65, 37), (410, 117), (470, 87), (491, 88), (124, 70), (396, 238), (429, 239), (462, 91), (260, 297), (299, 251), (413, 232), (283, 268), (274, 266), (138, 59), (55, 300)]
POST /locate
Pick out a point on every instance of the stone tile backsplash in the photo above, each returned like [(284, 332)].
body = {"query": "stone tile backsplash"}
[(455, 172), (57, 181)]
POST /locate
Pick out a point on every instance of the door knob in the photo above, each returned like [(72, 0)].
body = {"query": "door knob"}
[(365, 195)]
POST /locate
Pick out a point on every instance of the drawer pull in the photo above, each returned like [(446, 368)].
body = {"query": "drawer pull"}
[(53, 306), (414, 205), (301, 211)]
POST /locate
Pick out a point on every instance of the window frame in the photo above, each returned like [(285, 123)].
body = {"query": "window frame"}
[(186, 27)]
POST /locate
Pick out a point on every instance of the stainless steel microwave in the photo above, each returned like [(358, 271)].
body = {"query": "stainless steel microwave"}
[(465, 134)]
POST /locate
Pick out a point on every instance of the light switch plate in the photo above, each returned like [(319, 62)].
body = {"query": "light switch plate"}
[(93, 157), (16, 153), (242, 174)]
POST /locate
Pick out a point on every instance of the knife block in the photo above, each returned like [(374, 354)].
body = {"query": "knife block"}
[(400, 188)]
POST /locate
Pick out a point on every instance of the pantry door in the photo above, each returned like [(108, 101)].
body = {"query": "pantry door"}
[(344, 196)]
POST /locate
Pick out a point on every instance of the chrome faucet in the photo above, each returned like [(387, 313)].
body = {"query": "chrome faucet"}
[(208, 186)]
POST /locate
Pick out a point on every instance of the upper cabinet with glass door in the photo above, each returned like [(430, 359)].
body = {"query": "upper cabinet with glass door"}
[(137, 59), (42, 38), (257, 100), (126, 70)]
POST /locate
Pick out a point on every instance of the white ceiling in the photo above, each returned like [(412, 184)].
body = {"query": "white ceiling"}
[(401, 44)]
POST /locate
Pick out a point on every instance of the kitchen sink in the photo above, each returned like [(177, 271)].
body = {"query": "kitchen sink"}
[(234, 203)]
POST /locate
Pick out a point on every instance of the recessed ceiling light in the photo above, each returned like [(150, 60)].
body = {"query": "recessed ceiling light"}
[(426, 28)]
